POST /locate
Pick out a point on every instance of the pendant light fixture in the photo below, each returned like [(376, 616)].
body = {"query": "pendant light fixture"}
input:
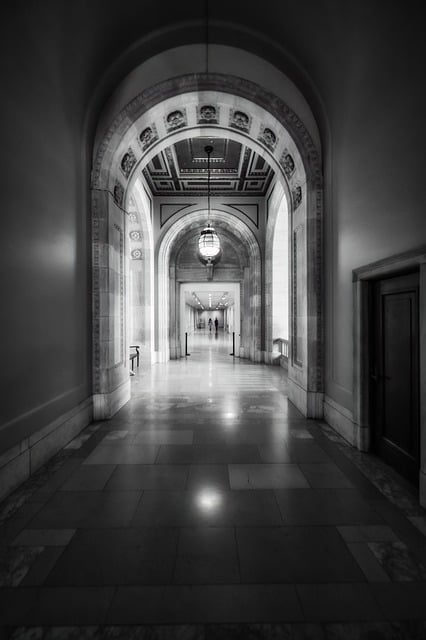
[(209, 249), (208, 243)]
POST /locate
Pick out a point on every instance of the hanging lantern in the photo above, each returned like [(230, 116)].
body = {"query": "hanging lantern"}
[(209, 248), (209, 243)]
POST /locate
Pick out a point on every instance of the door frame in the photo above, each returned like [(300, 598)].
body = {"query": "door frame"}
[(362, 279)]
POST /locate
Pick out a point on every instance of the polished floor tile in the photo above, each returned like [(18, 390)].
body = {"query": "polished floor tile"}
[(108, 453), (329, 602), (208, 454), (117, 556), (207, 555), (84, 509), (209, 508), (163, 436), (295, 554), (208, 476), (266, 476), (326, 507), (89, 478), (325, 476), (135, 477), (44, 537)]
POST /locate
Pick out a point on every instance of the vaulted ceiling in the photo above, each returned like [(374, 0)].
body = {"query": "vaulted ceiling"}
[(181, 169)]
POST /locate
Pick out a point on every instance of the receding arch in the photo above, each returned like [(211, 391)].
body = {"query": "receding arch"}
[(167, 280)]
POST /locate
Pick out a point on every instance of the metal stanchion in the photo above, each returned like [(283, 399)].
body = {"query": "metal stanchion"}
[(233, 344), (186, 345)]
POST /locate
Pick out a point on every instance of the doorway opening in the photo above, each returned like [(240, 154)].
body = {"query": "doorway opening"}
[(210, 317), (394, 372), (390, 363)]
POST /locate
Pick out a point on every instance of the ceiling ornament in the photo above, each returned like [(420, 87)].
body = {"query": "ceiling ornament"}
[(208, 114), (240, 120), (175, 120), (118, 194), (148, 137), (128, 161)]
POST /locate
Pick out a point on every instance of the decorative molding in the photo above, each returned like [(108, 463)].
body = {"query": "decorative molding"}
[(297, 249), (176, 120), (287, 163), (167, 211), (268, 199), (121, 293), (148, 136), (296, 196), (136, 254), (240, 120), (127, 163), (208, 114), (254, 219), (268, 138), (118, 194), (148, 195)]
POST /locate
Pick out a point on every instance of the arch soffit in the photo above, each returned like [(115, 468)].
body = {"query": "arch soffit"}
[(173, 110), (175, 235), (225, 228)]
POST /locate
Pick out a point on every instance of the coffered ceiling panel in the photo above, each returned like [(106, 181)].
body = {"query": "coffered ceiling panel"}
[(181, 169)]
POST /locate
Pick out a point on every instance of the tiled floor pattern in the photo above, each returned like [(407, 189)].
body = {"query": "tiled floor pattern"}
[(208, 507)]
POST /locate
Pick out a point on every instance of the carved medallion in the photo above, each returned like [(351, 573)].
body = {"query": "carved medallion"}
[(127, 163)]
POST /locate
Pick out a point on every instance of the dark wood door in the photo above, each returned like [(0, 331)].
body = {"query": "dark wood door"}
[(395, 373)]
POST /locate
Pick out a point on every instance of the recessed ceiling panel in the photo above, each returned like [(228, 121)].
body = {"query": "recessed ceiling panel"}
[(182, 169)]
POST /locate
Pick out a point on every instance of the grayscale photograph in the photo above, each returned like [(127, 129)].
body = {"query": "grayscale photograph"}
[(213, 381)]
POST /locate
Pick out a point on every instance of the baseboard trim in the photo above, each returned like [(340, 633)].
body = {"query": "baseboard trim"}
[(105, 405), (19, 462), (309, 403), (342, 421)]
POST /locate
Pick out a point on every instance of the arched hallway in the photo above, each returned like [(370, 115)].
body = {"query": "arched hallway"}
[(210, 505), (256, 165)]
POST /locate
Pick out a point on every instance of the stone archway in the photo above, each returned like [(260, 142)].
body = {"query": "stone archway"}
[(250, 280), (247, 111)]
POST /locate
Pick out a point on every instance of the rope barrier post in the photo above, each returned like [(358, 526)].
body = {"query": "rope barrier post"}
[(186, 345), (233, 344)]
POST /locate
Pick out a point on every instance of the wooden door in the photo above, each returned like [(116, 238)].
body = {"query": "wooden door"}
[(395, 373)]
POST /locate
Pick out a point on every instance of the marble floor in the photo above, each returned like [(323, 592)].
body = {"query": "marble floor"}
[(209, 508)]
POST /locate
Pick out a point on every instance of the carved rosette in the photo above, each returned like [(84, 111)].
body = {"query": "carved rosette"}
[(118, 194), (296, 196), (287, 163), (176, 119), (268, 138), (136, 254), (135, 235), (240, 120), (127, 163), (208, 114), (148, 137)]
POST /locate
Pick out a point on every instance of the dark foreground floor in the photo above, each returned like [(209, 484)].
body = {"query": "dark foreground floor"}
[(209, 508)]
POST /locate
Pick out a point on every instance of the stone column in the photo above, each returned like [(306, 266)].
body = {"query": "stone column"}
[(111, 385)]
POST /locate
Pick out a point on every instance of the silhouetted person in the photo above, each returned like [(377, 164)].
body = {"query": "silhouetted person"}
[(216, 324), (210, 324)]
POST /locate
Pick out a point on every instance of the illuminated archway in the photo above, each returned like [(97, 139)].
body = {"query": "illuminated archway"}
[(173, 111)]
